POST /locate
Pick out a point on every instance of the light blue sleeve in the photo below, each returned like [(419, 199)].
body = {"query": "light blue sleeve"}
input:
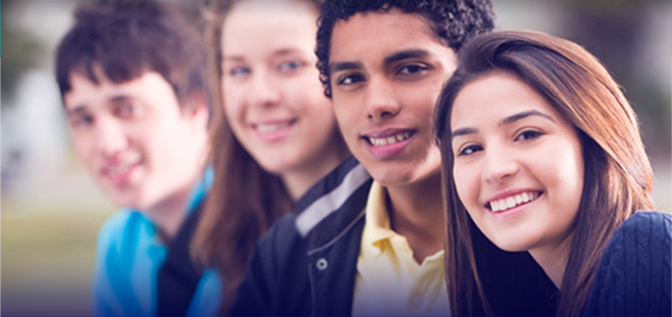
[(208, 295), (113, 289)]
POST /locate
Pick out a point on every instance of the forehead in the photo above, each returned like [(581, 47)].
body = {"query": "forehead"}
[(272, 25), (86, 93), (497, 95), (373, 34)]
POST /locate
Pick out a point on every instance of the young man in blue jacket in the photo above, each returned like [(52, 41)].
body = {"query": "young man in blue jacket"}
[(131, 75)]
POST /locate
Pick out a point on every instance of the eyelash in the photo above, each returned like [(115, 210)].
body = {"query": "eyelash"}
[(525, 135), (418, 68), (473, 148), (238, 71), (81, 121), (354, 77), (528, 135), (290, 66)]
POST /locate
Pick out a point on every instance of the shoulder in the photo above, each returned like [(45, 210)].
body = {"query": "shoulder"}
[(644, 239), (122, 227), (646, 224), (634, 274)]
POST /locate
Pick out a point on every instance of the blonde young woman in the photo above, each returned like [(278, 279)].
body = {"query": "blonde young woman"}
[(275, 134)]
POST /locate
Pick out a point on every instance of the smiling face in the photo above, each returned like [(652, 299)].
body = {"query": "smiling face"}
[(386, 71), (518, 167), (272, 95), (138, 145)]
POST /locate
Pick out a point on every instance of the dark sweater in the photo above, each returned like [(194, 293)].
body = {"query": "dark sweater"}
[(634, 274)]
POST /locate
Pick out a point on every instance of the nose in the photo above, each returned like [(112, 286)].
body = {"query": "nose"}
[(262, 91), (381, 102), (111, 139), (500, 165)]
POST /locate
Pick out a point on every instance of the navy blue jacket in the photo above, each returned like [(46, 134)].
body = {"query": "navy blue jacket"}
[(634, 274)]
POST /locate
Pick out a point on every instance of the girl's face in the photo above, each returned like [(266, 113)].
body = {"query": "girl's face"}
[(272, 96), (518, 164)]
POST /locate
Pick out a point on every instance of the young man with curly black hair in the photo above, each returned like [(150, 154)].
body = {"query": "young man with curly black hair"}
[(372, 245)]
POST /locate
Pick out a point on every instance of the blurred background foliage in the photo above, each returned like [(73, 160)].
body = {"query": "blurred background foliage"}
[(52, 210)]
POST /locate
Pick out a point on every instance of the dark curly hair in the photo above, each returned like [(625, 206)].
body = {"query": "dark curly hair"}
[(453, 21)]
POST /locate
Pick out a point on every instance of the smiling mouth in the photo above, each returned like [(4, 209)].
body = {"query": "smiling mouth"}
[(503, 204), (272, 127), (376, 142), (115, 171)]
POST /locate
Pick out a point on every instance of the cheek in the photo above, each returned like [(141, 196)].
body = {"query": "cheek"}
[(567, 171), (84, 147), (233, 112), (467, 187)]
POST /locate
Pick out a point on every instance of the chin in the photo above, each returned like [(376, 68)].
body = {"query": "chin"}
[(393, 177), (275, 168), (511, 245)]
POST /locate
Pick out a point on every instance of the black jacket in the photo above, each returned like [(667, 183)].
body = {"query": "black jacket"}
[(307, 263)]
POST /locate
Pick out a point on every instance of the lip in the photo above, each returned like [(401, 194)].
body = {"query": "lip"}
[(119, 179), (273, 130), (510, 194), (388, 151)]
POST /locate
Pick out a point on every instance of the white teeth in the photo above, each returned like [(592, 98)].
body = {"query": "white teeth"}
[(510, 202), (267, 128), (389, 140), (513, 201), (525, 197), (118, 170)]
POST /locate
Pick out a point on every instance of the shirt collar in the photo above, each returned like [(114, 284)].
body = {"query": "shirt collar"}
[(201, 188), (377, 227)]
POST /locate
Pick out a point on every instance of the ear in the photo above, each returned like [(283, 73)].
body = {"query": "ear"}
[(195, 109)]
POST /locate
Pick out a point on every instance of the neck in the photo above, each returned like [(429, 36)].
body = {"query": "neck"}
[(416, 212), (553, 259), (169, 213)]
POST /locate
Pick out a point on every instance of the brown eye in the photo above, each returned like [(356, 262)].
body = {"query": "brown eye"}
[(470, 149), (349, 79), (528, 135)]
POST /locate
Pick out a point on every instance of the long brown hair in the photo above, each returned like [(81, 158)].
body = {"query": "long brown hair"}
[(618, 175), (244, 200)]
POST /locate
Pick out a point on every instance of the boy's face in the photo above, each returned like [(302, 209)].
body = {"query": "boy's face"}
[(141, 149), (386, 71)]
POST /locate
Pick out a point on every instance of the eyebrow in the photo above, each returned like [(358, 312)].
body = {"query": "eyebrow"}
[(396, 57), (119, 98), (339, 66), (522, 115), (506, 121), (399, 56), (76, 110)]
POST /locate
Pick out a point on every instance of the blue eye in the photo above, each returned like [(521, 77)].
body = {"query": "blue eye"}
[(239, 71), (528, 135), (470, 149), (290, 66)]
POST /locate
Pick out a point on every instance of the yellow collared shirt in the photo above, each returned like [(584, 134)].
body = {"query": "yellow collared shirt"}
[(389, 281)]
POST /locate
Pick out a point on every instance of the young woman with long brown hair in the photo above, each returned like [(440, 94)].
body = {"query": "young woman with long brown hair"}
[(275, 133), (542, 153)]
